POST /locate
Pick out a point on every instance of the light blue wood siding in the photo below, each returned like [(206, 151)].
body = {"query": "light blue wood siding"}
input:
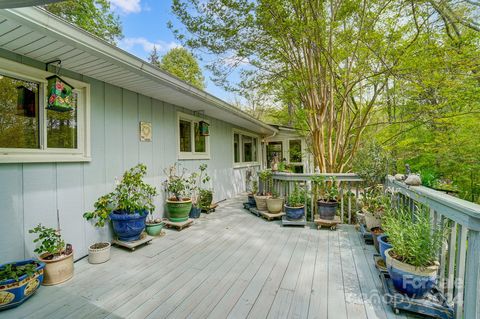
[(32, 193)]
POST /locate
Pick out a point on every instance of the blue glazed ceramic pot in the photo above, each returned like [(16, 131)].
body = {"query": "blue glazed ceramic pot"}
[(327, 210), (14, 292), (251, 200), (383, 245), (128, 227), (294, 213), (195, 212), (407, 279)]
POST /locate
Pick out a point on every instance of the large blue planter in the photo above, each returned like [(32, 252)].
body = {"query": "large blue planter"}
[(383, 245), (294, 213), (128, 227), (414, 282), (14, 292)]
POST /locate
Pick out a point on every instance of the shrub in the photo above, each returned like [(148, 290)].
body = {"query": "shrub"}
[(51, 241)]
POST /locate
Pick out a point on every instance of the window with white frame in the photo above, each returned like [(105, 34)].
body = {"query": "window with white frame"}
[(191, 143), (31, 133), (245, 148)]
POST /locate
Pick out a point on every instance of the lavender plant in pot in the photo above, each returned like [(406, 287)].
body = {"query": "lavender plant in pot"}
[(327, 191), (265, 178), (412, 261), (127, 206)]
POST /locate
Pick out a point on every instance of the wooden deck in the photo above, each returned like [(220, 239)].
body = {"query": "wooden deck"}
[(229, 264)]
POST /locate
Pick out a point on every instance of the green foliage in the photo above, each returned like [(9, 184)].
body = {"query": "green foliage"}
[(51, 241), (181, 63), (266, 177), (325, 188), (254, 187), (415, 241), (130, 195), (11, 271), (375, 201), (297, 197), (94, 16), (371, 164), (179, 184)]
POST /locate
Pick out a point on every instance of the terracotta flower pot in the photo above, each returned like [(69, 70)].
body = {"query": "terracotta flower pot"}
[(57, 270), (274, 205), (99, 253)]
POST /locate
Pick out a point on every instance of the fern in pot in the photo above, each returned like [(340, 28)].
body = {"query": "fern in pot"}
[(412, 261), (266, 180), (127, 206)]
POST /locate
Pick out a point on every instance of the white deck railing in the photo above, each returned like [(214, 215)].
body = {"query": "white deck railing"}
[(349, 187), (460, 256)]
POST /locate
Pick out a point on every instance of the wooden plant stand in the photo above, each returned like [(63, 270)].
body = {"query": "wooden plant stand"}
[(434, 304), (327, 222), (299, 222), (268, 216), (255, 211), (178, 225), (132, 245)]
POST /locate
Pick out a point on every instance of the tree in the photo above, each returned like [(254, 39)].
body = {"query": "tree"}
[(94, 16), (154, 58), (181, 63), (335, 59)]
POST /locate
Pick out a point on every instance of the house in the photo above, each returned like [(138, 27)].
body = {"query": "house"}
[(125, 111)]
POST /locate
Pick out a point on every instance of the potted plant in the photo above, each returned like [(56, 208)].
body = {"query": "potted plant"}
[(275, 203), (265, 177), (251, 195), (205, 194), (153, 226), (178, 188), (327, 190), (374, 203), (295, 206), (18, 281), (99, 252), (55, 254), (412, 261), (127, 206), (376, 232)]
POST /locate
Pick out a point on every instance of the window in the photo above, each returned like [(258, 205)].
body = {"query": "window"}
[(31, 133), (192, 145), (274, 149), (245, 148), (295, 151)]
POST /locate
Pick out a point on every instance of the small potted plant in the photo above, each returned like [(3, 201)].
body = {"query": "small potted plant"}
[(99, 252), (205, 194), (265, 177), (153, 225), (373, 206), (57, 256), (327, 191), (127, 206), (178, 188), (412, 261), (253, 192), (275, 203), (295, 206), (19, 281)]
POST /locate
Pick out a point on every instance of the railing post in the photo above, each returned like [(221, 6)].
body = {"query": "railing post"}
[(472, 276)]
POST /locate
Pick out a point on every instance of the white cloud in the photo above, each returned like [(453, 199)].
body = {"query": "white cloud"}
[(146, 45), (127, 6)]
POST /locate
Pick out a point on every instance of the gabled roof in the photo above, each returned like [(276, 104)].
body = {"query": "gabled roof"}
[(42, 36)]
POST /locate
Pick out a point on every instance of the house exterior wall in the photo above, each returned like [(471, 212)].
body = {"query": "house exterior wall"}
[(31, 193)]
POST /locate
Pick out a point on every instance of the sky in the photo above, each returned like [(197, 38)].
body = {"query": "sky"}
[(145, 25)]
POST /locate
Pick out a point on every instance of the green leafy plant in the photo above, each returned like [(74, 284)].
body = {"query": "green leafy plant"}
[(371, 164), (375, 201), (254, 187), (296, 198), (178, 184), (50, 240), (414, 239), (266, 177), (130, 195), (325, 188), (12, 271)]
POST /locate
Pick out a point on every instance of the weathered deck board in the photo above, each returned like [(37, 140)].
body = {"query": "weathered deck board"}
[(228, 264)]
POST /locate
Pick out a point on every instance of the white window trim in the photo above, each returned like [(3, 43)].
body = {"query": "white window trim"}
[(245, 164), (191, 155), (45, 154), (286, 149)]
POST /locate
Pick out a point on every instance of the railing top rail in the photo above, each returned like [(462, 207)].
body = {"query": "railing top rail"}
[(344, 177), (459, 210)]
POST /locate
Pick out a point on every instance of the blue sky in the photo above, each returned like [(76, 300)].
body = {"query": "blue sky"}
[(145, 25)]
